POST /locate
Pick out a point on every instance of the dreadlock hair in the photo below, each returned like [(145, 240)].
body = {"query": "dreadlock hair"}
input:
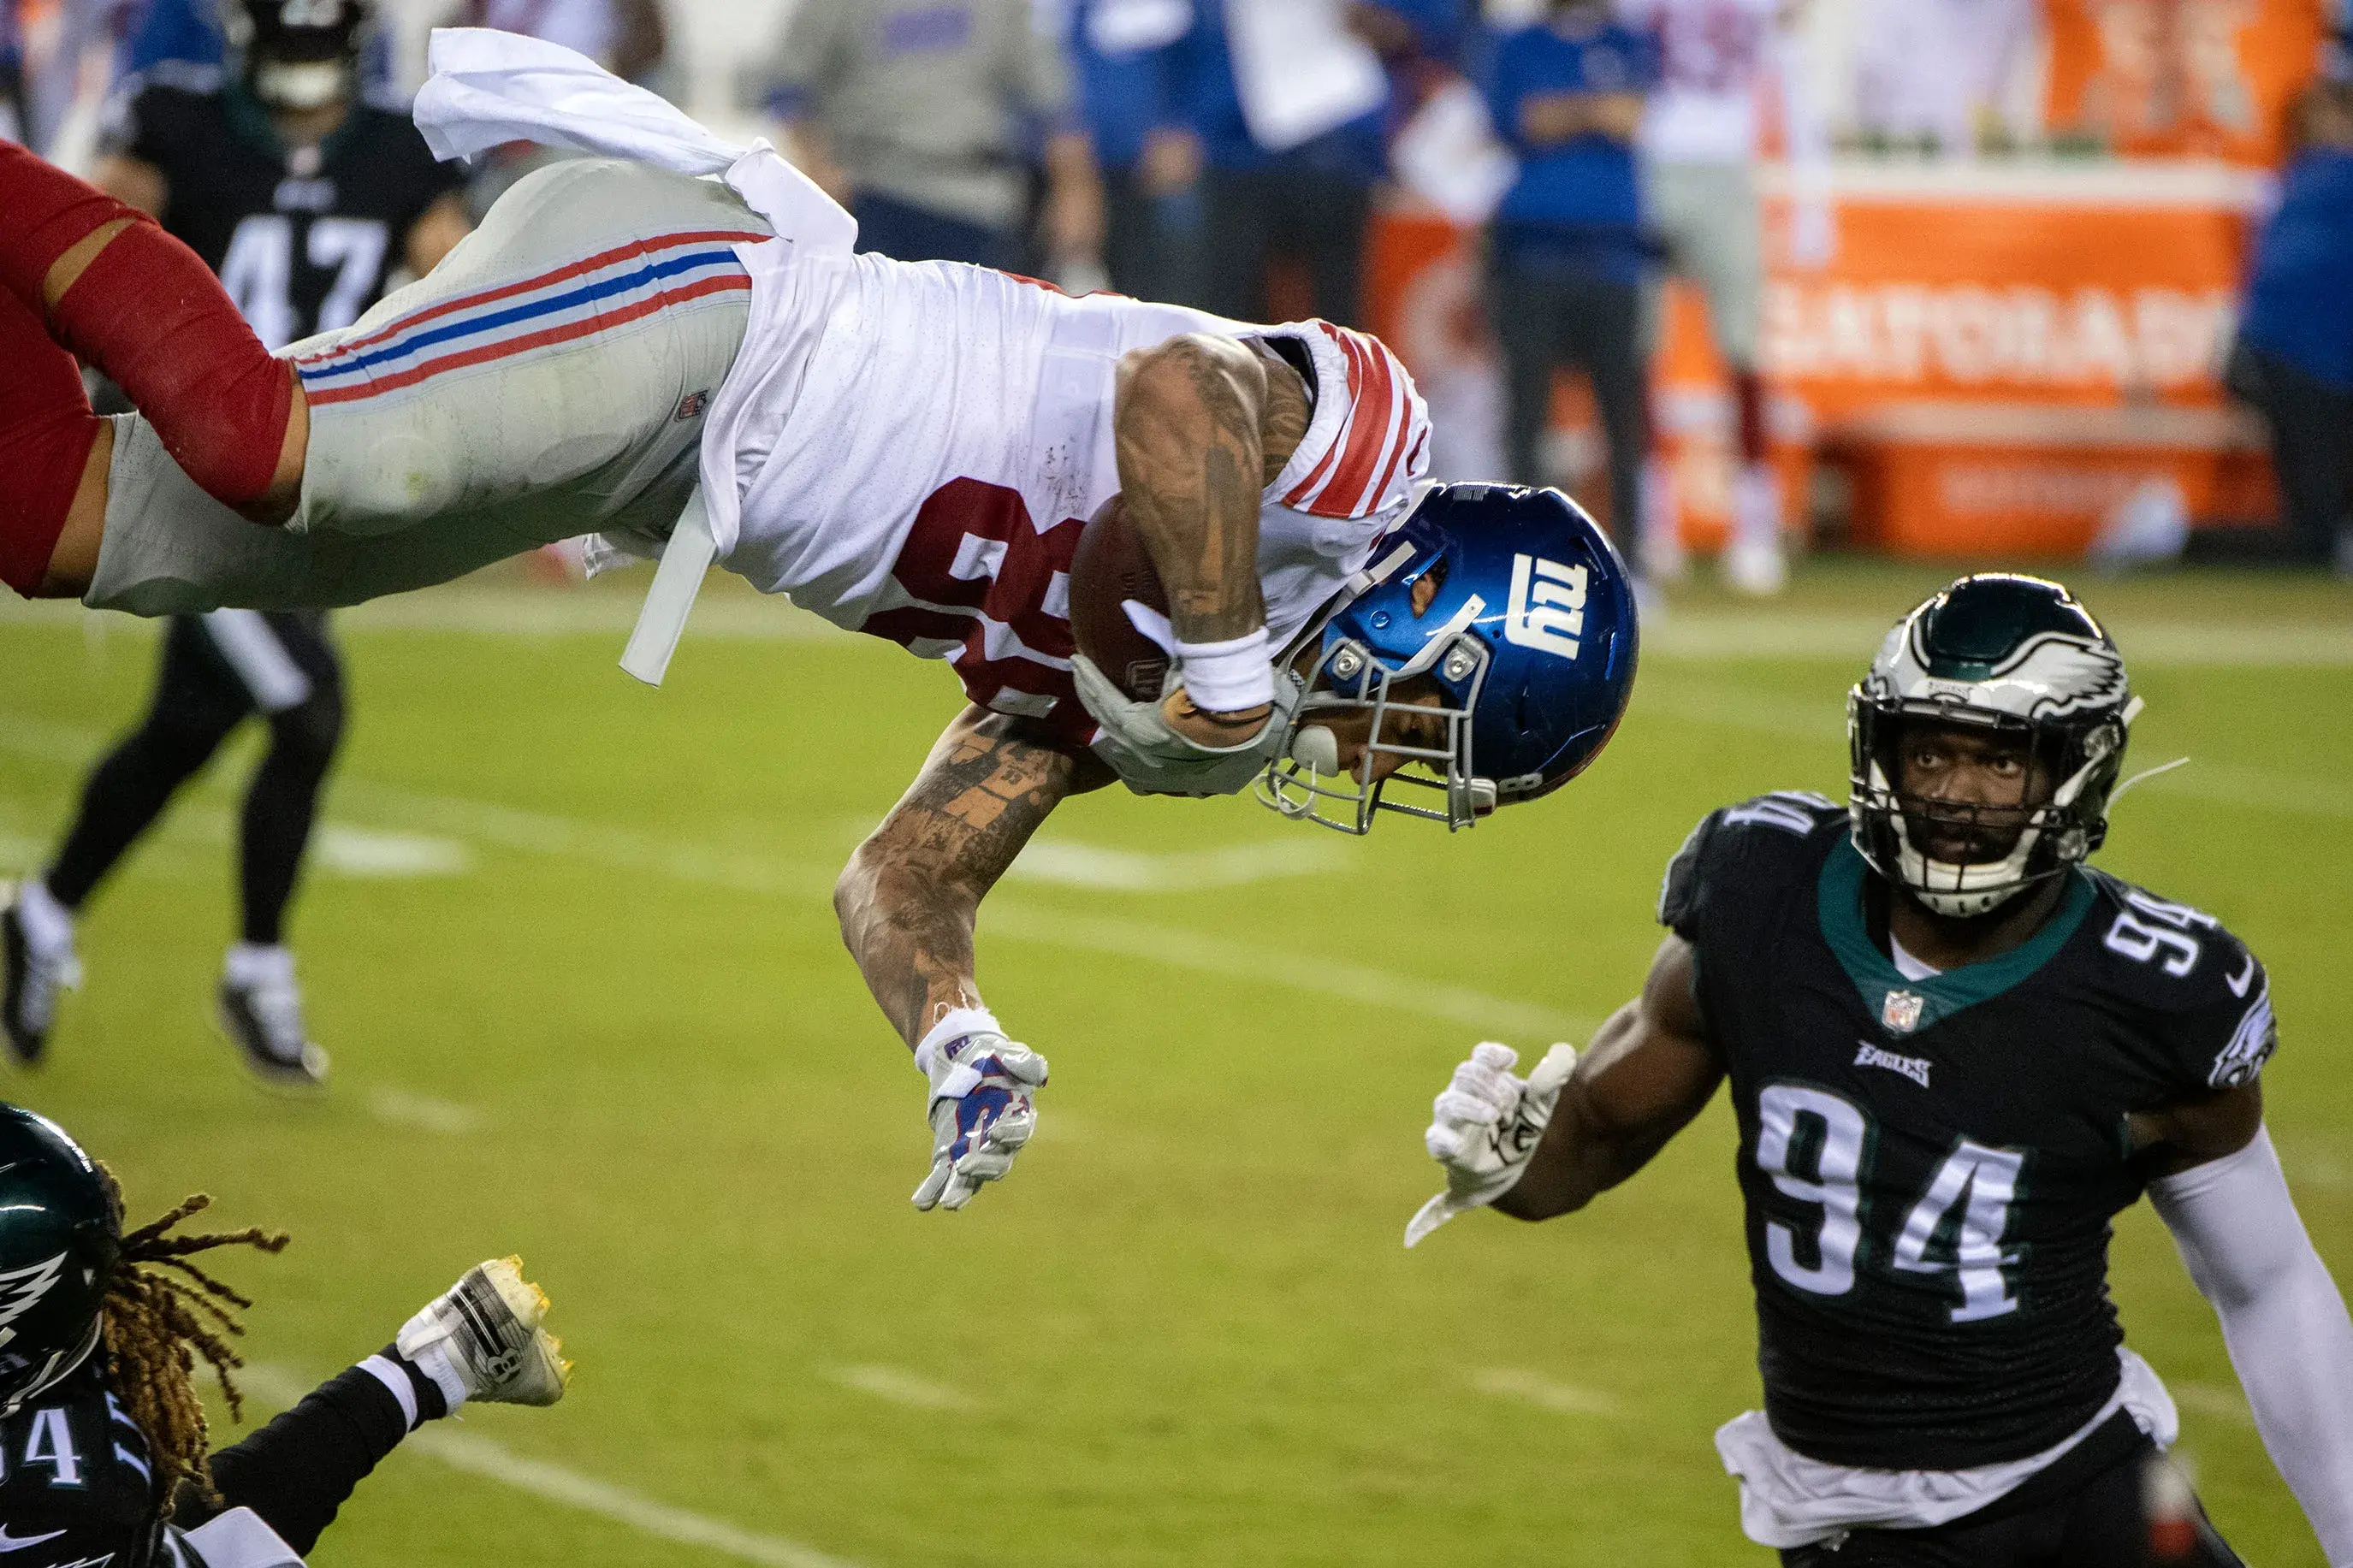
[(157, 1322)]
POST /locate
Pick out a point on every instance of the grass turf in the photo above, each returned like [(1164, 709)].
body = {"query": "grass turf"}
[(615, 1031)]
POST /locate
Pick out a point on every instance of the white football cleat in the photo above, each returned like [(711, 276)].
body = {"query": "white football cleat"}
[(264, 1020), (484, 1334), (31, 976)]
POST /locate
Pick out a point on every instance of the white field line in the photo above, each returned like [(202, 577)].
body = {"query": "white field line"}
[(899, 1387), (1529, 1388), (403, 1109), (367, 853), (697, 865), (2214, 1400), (1772, 713), (495, 1461), (1066, 864)]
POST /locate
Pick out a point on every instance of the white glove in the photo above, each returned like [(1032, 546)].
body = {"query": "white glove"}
[(1488, 1124), (982, 1110), (1153, 759)]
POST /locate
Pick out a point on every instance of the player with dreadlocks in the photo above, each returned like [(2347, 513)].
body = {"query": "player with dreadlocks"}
[(104, 1457)]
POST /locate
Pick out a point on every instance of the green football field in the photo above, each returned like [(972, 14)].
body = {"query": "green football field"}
[(570, 943)]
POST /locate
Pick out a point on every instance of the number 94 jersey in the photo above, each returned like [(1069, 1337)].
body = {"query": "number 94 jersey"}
[(1929, 1167)]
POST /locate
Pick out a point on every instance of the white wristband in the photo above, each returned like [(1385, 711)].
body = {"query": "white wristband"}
[(954, 1026), (1228, 677)]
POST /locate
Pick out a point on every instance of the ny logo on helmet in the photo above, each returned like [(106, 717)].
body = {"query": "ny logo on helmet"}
[(21, 1290), (1548, 611)]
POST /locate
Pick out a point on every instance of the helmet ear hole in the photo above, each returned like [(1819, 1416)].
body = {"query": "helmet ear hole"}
[(1424, 590)]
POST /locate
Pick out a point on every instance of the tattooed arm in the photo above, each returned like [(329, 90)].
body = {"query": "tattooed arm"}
[(1204, 424), (910, 895)]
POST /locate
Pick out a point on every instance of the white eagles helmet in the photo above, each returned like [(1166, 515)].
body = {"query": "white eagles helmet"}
[(2005, 652)]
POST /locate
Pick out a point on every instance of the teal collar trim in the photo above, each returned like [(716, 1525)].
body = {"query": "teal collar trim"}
[(1907, 1006)]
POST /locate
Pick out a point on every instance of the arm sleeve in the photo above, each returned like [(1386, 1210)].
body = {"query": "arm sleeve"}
[(2282, 1319)]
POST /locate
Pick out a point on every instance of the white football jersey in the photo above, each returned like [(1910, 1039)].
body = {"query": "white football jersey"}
[(917, 448), (1713, 59)]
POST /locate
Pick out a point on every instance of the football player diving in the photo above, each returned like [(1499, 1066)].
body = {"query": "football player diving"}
[(911, 450), (1955, 1052), (101, 1326), (305, 197)]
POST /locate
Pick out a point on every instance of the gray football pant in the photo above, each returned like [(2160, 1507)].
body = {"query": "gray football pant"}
[(1709, 216), (601, 433)]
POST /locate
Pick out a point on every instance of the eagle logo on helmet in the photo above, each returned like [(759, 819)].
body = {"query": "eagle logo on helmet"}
[(21, 1290), (2077, 674)]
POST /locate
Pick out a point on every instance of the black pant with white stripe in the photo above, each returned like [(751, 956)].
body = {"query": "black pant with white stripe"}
[(217, 671)]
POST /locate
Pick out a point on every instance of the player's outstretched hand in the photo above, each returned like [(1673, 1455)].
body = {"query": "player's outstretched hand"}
[(1488, 1122), (1153, 759), (983, 1108)]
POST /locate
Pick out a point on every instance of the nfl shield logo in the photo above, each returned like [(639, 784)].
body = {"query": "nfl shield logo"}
[(1901, 1013)]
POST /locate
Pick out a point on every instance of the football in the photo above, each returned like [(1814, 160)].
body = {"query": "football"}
[(1110, 567)]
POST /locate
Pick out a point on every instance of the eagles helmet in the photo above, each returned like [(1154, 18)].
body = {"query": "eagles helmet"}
[(60, 1235), (296, 54), (2016, 655), (1514, 609)]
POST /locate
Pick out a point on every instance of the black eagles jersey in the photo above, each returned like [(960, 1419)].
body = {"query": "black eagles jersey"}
[(1929, 1167), (302, 241), (76, 1488)]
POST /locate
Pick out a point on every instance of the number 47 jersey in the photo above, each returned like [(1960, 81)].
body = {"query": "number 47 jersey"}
[(302, 239), (1929, 1166)]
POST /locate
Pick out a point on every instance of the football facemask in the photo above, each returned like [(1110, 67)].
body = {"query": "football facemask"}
[(299, 55), (1483, 658), (2014, 658)]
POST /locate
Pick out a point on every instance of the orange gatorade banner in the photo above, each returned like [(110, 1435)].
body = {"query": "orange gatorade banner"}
[(1997, 356)]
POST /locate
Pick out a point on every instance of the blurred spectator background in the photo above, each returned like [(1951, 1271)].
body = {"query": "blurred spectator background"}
[(1568, 251), (916, 114), (1931, 277), (2294, 355), (1291, 103)]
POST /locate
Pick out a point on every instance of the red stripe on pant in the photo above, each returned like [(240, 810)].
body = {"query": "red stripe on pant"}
[(150, 315), (512, 347), (631, 252)]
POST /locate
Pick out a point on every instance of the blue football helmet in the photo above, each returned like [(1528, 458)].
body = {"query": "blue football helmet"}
[(1490, 646)]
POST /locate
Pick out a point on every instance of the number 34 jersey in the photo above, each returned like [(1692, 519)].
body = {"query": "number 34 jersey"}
[(1929, 1167)]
